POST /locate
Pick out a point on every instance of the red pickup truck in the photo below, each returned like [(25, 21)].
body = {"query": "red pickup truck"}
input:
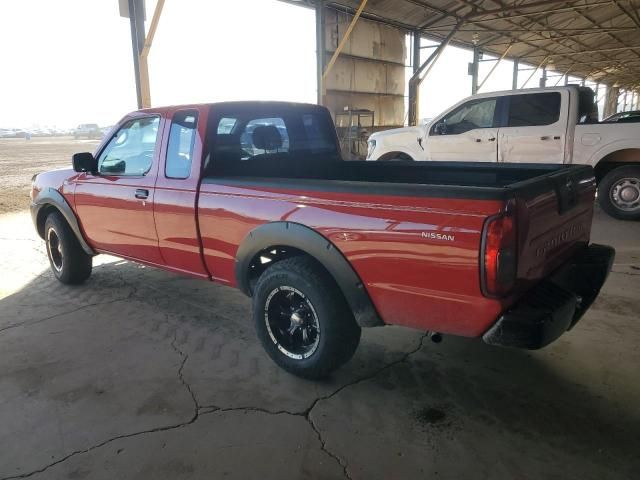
[(255, 195)]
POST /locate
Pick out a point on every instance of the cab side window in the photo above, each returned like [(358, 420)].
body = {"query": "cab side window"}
[(182, 137), (534, 109), (471, 115), (130, 151)]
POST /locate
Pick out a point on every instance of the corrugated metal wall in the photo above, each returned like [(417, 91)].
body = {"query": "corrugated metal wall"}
[(369, 73)]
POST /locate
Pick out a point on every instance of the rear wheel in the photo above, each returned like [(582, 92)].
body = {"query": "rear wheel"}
[(302, 319), (69, 262), (619, 193)]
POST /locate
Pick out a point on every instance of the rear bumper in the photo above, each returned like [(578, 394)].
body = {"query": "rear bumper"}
[(556, 304)]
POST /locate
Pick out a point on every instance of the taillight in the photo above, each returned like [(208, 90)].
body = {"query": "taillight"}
[(499, 261)]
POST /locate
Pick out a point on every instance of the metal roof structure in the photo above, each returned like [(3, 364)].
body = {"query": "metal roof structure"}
[(594, 39)]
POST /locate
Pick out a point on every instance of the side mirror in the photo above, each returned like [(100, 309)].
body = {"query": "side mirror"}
[(440, 128), (85, 162)]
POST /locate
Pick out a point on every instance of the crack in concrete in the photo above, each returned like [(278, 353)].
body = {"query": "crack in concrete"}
[(306, 414), (185, 357), (128, 435)]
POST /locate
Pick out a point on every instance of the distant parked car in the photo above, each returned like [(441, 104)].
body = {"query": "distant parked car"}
[(87, 130), (12, 133), (630, 116)]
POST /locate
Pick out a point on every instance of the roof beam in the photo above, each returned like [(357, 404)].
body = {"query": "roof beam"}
[(524, 6), (550, 39), (584, 52), (634, 18), (572, 8)]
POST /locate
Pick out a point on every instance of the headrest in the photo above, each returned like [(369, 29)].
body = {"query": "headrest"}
[(266, 137)]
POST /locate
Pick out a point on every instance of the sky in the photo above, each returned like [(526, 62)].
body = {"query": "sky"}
[(70, 61), (79, 68)]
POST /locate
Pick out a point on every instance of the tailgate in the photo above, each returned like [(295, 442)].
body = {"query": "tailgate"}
[(553, 215)]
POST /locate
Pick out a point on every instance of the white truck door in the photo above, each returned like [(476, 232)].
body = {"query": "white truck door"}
[(468, 133), (536, 128)]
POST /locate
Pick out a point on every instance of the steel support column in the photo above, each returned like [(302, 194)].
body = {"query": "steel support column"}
[(495, 65), (416, 50), (543, 79), (320, 48), (474, 70), (136, 19), (145, 86), (544, 60), (415, 80), (141, 45), (516, 67), (611, 101)]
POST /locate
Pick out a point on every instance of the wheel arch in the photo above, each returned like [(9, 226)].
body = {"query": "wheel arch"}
[(300, 239), (50, 200), (396, 155), (617, 158)]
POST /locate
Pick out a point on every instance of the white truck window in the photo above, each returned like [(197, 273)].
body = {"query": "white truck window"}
[(472, 115), (534, 109)]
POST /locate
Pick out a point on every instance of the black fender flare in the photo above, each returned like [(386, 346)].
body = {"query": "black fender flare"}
[(50, 197), (306, 239)]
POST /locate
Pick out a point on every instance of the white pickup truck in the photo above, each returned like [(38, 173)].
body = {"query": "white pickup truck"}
[(543, 125)]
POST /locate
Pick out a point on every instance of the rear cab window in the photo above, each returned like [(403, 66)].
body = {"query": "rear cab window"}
[(534, 109), (240, 138)]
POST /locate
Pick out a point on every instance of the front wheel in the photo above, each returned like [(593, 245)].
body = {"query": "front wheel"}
[(302, 319), (619, 193), (69, 262)]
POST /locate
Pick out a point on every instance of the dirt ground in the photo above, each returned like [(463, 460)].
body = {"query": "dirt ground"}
[(143, 374), (20, 159)]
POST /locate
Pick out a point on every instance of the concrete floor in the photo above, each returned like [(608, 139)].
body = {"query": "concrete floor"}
[(141, 374)]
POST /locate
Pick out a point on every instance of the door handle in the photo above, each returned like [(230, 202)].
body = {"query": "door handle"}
[(492, 139), (478, 140), (142, 193), (545, 137)]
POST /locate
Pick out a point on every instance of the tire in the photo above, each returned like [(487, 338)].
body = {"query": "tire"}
[(298, 295), (619, 193), (69, 262), (396, 157)]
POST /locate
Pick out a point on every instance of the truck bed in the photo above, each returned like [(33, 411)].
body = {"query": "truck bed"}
[(449, 179), (412, 232)]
